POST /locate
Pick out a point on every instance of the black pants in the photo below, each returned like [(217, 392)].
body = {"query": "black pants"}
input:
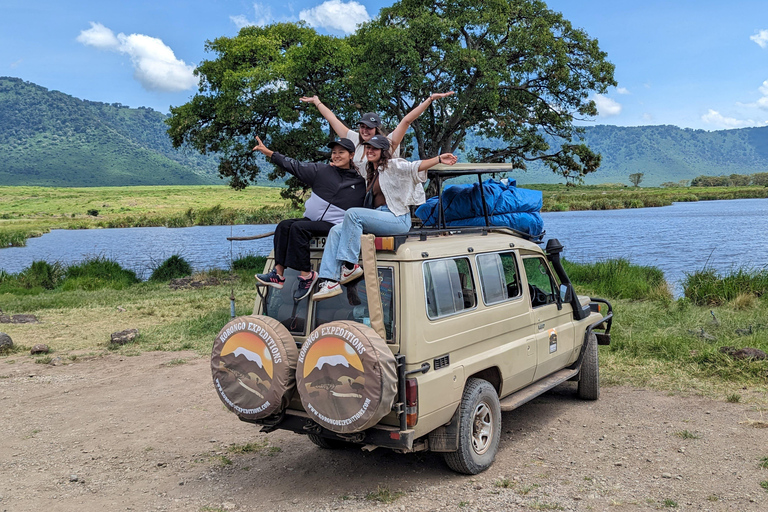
[(292, 241)]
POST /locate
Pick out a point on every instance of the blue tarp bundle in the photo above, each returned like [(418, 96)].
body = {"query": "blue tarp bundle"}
[(508, 206)]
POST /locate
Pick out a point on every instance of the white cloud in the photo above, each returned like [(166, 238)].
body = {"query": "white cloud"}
[(716, 118), (606, 106), (336, 15), (263, 17), (15, 64), (622, 90), (155, 65), (647, 117), (761, 38)]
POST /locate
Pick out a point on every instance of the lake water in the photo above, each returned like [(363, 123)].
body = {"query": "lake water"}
[(680, 238)]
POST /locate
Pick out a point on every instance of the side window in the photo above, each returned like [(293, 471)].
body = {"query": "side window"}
[(449, 287), (352, 304), (499, 279), (540, 281)]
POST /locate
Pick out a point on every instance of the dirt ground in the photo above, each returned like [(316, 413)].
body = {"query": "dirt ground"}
[(149, 433)]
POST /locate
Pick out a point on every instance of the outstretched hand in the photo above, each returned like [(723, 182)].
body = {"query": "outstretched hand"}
[(437, 95), (310, 99), (262, 148), (448, 158)]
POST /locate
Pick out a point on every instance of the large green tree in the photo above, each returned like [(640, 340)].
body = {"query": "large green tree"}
[(522, 75)]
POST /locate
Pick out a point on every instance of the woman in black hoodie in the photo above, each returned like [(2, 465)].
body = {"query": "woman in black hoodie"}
[(336, 187)]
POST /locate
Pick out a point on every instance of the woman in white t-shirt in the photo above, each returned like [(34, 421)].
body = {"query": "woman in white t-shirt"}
[(370, 125), (395, 184)]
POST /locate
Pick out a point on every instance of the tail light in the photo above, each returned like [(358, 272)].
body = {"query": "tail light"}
[(411, 402), (384, 243)]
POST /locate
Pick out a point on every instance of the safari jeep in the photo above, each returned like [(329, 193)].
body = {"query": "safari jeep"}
[(447, 328)]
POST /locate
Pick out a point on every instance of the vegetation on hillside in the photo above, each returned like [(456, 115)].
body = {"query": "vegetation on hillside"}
[(49, 138)]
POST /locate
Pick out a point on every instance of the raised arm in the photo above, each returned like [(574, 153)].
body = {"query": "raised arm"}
[(305, 171), (445, 158), (399, 132), (336, 125)]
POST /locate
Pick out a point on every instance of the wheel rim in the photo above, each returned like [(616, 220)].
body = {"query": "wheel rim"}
[(482, 428)]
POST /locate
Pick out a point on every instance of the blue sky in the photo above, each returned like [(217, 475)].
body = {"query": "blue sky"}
[(696, 64)]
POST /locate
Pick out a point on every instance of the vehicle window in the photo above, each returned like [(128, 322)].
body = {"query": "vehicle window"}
[(449, 287), (540, 281), (498, 277), (352, 304), (279, 304)]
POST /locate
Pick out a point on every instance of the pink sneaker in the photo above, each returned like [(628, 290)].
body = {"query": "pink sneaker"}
[(350, 274)]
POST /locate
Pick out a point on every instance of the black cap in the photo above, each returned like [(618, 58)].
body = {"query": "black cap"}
[(378, 141), (370, 119), (345, 143)]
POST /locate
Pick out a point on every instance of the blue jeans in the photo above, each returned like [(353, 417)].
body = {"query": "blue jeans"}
[(343, 242)]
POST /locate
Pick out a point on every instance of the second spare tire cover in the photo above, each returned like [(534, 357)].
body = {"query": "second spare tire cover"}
[(253, 364), (346, 376)]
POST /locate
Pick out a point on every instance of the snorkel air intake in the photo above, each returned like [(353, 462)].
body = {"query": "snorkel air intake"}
[(553, 249)]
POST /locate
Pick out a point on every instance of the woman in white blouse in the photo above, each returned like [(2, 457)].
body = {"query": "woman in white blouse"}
[(370, 125), (395, 184)]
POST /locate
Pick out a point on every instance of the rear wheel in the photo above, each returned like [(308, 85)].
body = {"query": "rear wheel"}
[(589, 376), (479, 429), (327, 443)]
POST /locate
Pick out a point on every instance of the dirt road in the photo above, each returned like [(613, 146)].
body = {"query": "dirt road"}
[(149, 433)]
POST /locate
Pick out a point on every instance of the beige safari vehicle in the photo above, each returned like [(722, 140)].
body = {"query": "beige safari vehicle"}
[(447, 328)]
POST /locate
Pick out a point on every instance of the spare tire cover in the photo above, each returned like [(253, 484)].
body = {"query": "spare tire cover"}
[(346, 376), (253, 363)]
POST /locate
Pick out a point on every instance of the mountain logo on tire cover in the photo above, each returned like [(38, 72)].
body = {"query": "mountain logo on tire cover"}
[(247, 360), (334, 379)]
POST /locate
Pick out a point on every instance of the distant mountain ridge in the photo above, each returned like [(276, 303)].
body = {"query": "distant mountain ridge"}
[(663, 153), (49, 138)]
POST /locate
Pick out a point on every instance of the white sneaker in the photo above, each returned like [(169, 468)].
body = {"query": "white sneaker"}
[(350, 274), (327, 290)]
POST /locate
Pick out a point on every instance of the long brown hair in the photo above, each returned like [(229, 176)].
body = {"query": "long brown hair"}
[(370, 170)]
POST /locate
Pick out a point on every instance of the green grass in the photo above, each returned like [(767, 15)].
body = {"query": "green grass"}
[(656, 342), (709, 287), (27, 212), (763, 463), (172, 268), (687, 434), (619, 279), (384, 495)]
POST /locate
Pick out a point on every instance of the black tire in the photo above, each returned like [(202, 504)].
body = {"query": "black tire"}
[(326, 443), (589, 376), (479, 429)]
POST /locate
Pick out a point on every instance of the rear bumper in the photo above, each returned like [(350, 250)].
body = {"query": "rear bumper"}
[(383, 436)]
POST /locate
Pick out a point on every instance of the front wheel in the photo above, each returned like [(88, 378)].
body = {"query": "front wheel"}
[(589, 376), (479, 429)]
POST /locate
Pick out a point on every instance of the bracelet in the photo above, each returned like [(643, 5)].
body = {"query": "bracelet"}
[(438, 159)]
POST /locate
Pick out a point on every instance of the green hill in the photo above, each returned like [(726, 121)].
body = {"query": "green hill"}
[(664, 154), (49, 138)]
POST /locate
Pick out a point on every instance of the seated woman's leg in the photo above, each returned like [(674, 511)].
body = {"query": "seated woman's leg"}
[(330, 265), (363, 220), (301, 232)]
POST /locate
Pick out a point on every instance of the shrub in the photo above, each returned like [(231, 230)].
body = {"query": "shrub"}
[(250, 262), (619, 279), (93, 213), (96, 273), (43, 274), (707, 287), (172, 268)]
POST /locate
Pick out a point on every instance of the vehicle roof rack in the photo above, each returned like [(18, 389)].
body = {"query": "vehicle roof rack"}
[(442, 172)]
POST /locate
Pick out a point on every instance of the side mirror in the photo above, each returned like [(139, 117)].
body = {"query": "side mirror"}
[(565, 293)]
